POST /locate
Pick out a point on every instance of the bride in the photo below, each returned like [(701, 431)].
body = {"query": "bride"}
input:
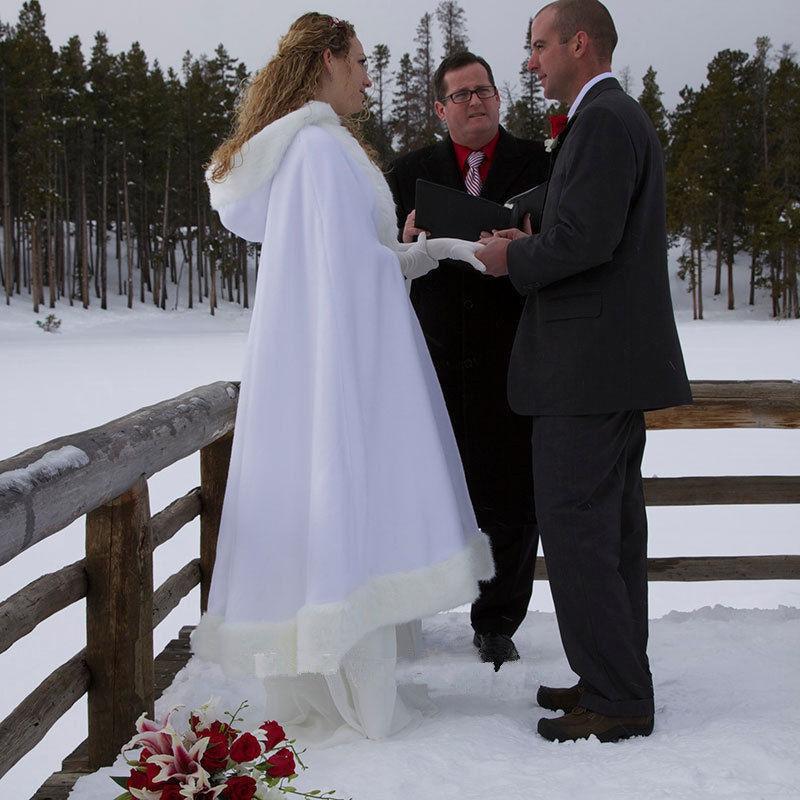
[(346, 513)]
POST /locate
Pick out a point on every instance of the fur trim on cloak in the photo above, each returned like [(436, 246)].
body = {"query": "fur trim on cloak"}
[(261, 156)]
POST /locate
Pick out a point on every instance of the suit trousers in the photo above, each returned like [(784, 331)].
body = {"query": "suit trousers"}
[(593, 525), (503, 601)]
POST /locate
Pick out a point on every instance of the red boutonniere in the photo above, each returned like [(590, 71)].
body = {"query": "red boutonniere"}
[(558, 122)]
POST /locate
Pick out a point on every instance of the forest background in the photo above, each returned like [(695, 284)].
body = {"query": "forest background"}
[(103, 155)]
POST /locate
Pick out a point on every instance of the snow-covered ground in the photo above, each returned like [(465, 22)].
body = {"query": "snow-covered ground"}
[(727, 680)]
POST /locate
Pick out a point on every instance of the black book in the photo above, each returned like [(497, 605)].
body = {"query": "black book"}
[(530, 202), (449, 212)]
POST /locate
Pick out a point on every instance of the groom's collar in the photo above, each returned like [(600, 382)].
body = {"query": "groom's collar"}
[(584, 93)]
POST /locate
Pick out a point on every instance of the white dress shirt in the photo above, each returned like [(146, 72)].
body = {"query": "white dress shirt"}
[(586, 86)]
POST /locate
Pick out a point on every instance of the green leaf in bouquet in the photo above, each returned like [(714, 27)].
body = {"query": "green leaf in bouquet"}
[(123, 782), (124, 796)]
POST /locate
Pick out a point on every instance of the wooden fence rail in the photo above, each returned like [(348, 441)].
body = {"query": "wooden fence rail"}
[(102, 473)]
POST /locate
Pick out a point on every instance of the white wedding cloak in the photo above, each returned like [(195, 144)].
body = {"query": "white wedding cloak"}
[(346, 509)]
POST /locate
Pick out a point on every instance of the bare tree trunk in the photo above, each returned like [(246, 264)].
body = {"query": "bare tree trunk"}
[(36, 265), (51, 254), (190, 264), (144, 244), (165, 235), (84, 241), (201, 241), (245, 287), (700, 275), (8, 247), (212, 297), (128, 243), (101, 232), (118, 241), (753, 267), (718, 278), (68, 269)]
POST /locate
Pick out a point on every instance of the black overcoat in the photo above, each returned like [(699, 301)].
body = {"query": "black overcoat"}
[(598, 333), (469, 322)]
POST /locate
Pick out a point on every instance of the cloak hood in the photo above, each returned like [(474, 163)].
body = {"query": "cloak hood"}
[(242, 197)]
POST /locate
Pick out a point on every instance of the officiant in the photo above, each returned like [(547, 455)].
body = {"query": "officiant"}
[(469, 323)]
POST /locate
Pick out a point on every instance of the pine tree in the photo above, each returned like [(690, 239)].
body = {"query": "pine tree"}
[(423, 62), (406, 107), (32, 67), (650, 101), (453, 24), (381, 80), (721, 112), (526, 115), (781, 221), (689, 207)]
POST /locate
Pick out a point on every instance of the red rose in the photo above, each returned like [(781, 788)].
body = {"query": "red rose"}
[(245, 748), (557, 124), (215, 757), (145, 778), (172, 791), (240, 787), (281, 765), (275, 733), (137, 779)]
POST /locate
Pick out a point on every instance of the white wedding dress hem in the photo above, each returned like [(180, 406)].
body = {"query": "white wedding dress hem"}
[(318, 637)]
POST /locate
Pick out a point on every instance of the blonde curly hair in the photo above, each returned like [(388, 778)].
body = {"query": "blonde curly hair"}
[(288, 81)]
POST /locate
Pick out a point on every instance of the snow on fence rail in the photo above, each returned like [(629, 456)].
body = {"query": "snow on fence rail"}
[(103, 473)]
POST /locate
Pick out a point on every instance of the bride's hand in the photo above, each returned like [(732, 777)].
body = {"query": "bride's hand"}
[(457, 249)]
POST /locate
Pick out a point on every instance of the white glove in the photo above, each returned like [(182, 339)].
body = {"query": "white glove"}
[(415, 261), (457, 249)]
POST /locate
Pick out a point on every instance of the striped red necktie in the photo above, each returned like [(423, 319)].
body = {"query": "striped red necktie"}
[(473, 179)]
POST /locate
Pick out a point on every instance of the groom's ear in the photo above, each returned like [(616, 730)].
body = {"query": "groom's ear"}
[(580, 44), (438, 107)]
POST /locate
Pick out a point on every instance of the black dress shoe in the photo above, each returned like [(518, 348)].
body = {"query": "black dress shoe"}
[(495, 648), (559, 699)]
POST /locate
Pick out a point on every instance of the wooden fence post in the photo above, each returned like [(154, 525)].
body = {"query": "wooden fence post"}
[(119, 620), (215, 459)]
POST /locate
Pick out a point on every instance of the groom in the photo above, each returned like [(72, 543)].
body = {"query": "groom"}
[(596, 346)]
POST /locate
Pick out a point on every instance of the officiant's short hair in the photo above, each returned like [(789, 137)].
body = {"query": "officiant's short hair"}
[(585, 15), (463, 58)]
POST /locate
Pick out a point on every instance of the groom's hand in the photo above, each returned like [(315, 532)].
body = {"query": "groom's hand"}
[(493, 255)]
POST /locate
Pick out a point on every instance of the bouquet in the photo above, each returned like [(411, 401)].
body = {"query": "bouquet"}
[(212, 759)]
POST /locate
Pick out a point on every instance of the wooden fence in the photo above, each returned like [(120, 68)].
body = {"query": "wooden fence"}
[(102, 474)]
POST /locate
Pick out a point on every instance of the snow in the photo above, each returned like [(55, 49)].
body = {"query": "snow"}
[(724, 679), (52, 463), (726, 675)]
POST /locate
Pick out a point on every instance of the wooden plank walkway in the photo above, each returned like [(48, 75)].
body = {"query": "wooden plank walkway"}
[(166, 665)]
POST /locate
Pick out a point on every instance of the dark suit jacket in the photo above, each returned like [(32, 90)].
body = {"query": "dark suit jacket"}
[(469, 322), (598, 333)]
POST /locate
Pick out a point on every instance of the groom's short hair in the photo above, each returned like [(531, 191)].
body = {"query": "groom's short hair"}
[(590, 16)]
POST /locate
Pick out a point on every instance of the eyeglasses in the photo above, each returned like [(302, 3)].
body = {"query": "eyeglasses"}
[(465, 95)]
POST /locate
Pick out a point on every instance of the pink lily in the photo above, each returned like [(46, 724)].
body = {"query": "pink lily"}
[(155, 737), (193, 787), (181, 763)]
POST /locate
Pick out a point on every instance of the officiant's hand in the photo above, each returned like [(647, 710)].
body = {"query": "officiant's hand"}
[(508, 233), (410, 229)]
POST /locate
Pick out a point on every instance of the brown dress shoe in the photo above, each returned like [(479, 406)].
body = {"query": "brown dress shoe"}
[(581, 723), (559, 699)]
